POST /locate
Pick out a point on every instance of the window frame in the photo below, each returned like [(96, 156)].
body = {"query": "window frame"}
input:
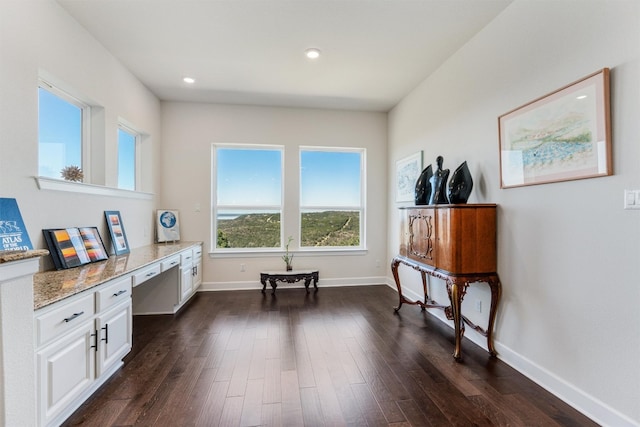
[(85, 131), (122, 126), (215, 207), (362, 208)]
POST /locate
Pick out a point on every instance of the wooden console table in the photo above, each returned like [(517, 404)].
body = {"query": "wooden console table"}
[(290, 277), (455, 243)]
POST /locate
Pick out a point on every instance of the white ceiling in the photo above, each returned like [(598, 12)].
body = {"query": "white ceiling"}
[(374, 52)]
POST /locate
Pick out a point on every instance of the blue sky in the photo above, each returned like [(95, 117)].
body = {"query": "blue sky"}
[(253, 177), (59, 134)]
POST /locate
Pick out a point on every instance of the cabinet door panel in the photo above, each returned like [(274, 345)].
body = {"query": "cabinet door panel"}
[(421, 230), (65, 370), (114, 328), (186, 283)]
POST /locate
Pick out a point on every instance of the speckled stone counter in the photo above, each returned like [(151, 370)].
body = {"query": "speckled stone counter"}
[(53, 286), (9, 256)]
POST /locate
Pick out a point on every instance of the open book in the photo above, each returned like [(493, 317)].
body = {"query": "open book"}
[(71, 247)]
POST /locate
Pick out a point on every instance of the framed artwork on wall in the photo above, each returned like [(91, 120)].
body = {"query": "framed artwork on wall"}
[(116, 230), (167, 225), (562, 136), (408, 170)]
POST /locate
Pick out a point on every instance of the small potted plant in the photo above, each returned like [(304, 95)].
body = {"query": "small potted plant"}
[(287, 257)]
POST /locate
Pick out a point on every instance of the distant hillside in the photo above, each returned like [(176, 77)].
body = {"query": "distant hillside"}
[(330, 228)]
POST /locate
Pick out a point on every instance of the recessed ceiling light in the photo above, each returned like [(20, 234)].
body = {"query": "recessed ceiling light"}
[(312, 53), (581, 97), (189, 80)]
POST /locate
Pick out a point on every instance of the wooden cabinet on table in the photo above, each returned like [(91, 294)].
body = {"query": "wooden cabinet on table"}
[(80, 342), (455, 243)]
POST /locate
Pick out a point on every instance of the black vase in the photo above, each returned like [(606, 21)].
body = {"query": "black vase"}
[(460, 185), (423, 187)]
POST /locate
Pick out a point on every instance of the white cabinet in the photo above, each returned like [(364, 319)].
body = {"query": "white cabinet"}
[(80, 342), (66, 369), (197, 267), (186, 275)]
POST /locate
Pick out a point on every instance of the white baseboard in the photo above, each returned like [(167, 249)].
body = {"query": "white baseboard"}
[(322, 283)]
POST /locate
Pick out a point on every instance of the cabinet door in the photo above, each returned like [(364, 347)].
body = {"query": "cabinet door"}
[(420, 236), (66, 369), (197, 273), (115, 336), (186, 282)]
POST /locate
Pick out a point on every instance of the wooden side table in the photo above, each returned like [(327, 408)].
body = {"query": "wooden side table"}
[(290, 277)]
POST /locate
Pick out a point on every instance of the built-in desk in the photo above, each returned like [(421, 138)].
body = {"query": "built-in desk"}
[(52, 286), (83, 318)]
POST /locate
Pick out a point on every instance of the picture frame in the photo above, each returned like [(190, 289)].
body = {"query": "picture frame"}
[(564, 135), (167, 225), (76, 246), (116, 230), (408, 169)]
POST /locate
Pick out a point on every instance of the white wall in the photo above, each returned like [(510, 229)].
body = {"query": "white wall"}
[(567, 252), (38, 38), (188, 131)]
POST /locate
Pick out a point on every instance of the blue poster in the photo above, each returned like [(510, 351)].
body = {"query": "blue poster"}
[(13, 233)]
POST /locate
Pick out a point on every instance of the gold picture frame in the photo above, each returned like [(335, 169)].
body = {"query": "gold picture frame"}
[(562, 136)]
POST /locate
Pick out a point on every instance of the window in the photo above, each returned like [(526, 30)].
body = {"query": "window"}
[(248, 196), (62, 130), (331, 197), (127, 148)]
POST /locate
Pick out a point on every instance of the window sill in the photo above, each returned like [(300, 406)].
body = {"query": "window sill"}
[(45, 183), (300, 254)]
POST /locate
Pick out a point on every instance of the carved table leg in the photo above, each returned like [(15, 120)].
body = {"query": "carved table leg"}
[(424, 288), (307, 282), (263, 280), (456, 302), (274, 285), (394, 270), (496, 292), (315, 281)]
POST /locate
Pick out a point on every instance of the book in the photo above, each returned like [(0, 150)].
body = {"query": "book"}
[(13, 233), (72, 247)]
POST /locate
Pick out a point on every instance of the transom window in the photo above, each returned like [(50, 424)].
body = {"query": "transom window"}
[(62, 134)]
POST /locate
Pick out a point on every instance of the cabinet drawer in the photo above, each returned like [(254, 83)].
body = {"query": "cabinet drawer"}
[(170, 262), (186, 257), (113, 294), (146, 274), (197, 252), (64, 318)]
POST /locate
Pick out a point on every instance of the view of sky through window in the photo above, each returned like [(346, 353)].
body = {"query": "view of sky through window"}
[(330, 178), (248, 177), (59, 134), (126, 160)]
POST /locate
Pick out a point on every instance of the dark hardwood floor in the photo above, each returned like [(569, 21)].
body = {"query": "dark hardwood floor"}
[(336, 357)]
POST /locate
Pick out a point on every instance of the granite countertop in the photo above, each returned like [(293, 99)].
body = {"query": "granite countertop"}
[(10, 256), (53, 286)]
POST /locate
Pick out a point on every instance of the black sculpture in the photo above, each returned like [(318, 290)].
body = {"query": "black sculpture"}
[(460, 185), (423, 187), (438, 184)]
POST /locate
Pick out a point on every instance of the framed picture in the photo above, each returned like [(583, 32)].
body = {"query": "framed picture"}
[(407, 172), (116, 230), (561, 136), (167, 225), (72, 247)]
